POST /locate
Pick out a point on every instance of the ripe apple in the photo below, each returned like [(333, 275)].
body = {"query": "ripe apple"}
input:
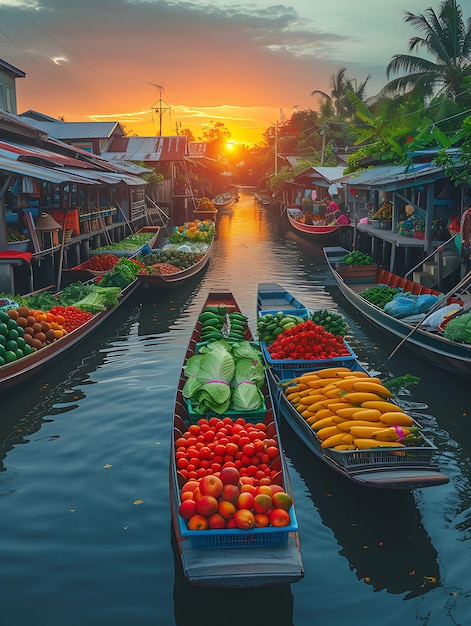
[(190, 485), (226, 509), (275, 488), (229, 476), (216, 521), (198, 522), (244, 519), (206, 505), (230, 493), (282, 500), (187, 509), (265, 489), (279, 517), (262, 503), (245, 500), (262, 520), (211, 485), (249, 488)]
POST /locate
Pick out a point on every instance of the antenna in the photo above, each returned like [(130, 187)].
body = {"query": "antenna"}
[(160, 107)]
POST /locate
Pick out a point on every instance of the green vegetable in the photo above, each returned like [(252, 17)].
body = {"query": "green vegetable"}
[(99, 299), (74, 292), (459, 328), (395, 384), (379, 295)]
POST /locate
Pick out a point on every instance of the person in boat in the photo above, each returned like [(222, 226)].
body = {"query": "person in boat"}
[(332, 210), (465, 234), (343, 218)]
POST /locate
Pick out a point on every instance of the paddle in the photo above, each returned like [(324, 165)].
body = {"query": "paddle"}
[(433, 308)]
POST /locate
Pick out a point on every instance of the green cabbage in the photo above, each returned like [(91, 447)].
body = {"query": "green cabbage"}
[(209, 377)]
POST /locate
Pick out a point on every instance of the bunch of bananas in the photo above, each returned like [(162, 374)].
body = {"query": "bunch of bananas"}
[(350, 410)]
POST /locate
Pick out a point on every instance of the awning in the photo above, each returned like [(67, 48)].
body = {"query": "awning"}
[(111, 178), (43, 173), (33, 154)]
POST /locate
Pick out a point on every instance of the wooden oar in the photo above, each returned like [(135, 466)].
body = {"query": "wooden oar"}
[(433, 308)]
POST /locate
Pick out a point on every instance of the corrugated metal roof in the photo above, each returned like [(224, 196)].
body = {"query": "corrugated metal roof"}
[(40, 172), (148, 149), (384, 175), (111, 178), (328, 174), (22, 152), (74, 130)]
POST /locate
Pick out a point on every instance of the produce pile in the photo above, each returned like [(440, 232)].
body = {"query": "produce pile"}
[(270, 325), (201, 231), (379, 295), (350, 410), (307, 341), (223, 377), (100, 263), (169, 261), (30, 323), (217, 323), (132, 243), (459, 328), (355, 257), (231, 469)]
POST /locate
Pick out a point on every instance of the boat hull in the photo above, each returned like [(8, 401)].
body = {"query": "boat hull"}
[(174, 281), (323, 232), (448, 355), (24, 368), (378, 468), (250, 563)]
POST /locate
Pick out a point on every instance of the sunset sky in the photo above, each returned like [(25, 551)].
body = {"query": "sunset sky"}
[(244, 63)]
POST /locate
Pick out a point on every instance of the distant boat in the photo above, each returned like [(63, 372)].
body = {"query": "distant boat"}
[(225, 200), (316, 230)]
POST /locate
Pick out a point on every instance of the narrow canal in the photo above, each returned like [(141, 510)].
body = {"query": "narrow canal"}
[(85, 528)]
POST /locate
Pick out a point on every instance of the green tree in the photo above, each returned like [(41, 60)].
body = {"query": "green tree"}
[(446, 39), (337, 103)]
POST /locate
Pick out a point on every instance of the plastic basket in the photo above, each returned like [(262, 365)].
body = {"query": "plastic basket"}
[(312, 364), (269, 536), (253, 417), (383, 457)]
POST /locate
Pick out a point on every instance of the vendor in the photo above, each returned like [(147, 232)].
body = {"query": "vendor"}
[(332, 210), (465, 233)]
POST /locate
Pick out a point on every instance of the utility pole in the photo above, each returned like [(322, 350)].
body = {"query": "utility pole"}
[(160, 107)]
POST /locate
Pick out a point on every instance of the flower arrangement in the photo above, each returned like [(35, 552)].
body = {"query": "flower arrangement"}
[(420, 226), (384, 212)]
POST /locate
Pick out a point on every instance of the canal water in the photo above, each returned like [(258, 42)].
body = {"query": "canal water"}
[(85, 527)]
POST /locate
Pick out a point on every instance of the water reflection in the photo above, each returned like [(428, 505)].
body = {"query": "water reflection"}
[(228, 607), (379, 532)]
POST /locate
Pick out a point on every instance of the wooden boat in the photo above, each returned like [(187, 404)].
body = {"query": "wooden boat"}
[(428, 342), (224, 200), (229, 557), (177, 279), (323, 231), (83, 271), (386, 467), (20, 370)]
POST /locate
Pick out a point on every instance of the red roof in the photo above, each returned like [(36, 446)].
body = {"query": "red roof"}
[(147, 149)]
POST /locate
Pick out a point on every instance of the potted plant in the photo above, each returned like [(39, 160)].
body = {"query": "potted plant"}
[(17, 241), (382, 217), (419, 230)]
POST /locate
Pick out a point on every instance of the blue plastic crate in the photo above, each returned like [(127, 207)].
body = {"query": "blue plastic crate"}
[(269, 536), (310, 365)]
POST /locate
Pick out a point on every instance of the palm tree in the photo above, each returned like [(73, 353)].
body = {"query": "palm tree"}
[(447, 40), (337, 103)]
